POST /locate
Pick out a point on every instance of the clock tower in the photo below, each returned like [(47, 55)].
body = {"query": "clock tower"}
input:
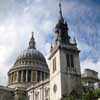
[(64, 62)]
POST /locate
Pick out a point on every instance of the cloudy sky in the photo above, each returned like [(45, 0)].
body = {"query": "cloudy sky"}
[(18, 18)]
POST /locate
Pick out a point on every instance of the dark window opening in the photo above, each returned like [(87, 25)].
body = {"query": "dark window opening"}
[(24, 75), (19, 79), (70, 60), (38, 76), (29, 75)]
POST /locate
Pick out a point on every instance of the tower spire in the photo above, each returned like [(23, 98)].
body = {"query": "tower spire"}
[(61, 28), (32, 42), (60, 9)]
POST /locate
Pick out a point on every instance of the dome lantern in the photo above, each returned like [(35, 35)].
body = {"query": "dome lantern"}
[(32, 42)]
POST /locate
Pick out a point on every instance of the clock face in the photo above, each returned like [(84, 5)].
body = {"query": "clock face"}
[(55, 88)]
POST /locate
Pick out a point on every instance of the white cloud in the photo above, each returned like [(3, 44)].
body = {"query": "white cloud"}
[(47, 26)]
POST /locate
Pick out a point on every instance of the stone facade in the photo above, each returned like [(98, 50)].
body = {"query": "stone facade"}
[(89, 78), (40, 91)]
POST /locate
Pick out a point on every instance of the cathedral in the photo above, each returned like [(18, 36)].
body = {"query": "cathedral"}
[(32, 78)]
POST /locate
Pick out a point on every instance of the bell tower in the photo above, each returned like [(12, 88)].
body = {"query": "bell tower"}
[(64, 63)]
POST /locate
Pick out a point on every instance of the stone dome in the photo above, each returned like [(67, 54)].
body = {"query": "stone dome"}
[(32, 54), (29, 68)]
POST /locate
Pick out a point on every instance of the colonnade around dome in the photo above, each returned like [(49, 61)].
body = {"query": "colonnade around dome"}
[(22, 76)]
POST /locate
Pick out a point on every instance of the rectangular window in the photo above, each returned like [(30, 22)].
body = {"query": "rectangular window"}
[(54, 64)]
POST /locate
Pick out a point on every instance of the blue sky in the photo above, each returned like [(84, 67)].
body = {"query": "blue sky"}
[(18, 18)]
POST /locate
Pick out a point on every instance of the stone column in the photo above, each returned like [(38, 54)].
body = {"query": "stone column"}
[(34, 96), (17, 76), (22, 76), (42, 75), (32, 76), (12, 77), (9, 79), (26, 75), (36, 76)]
